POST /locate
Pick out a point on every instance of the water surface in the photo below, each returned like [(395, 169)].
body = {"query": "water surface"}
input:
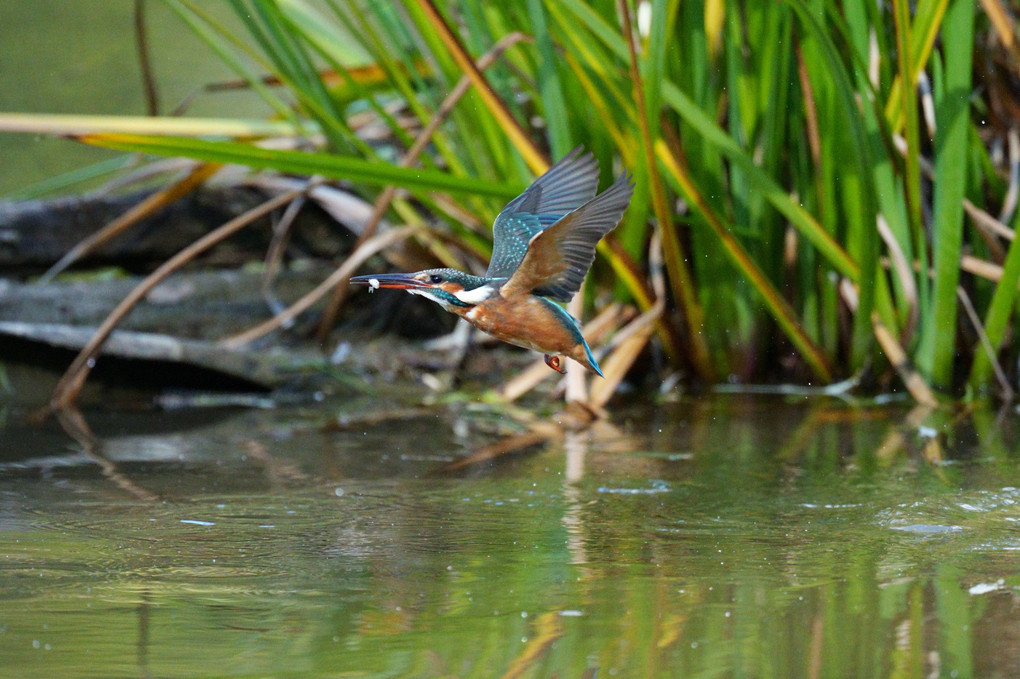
[(721, 537)]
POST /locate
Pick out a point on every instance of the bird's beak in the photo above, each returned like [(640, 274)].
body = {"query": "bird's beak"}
[(399, 281)]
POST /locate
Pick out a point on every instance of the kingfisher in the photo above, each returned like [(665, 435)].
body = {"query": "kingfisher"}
[(543, 245)]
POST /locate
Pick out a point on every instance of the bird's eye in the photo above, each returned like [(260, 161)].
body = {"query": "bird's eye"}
[(435, 279)]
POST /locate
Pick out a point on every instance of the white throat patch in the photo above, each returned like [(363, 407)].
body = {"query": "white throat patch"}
[(476, 296)]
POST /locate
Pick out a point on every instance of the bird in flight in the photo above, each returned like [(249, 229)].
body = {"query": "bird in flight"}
[(543, 245)]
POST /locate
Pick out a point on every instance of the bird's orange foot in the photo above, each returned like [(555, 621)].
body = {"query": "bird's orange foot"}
[(556, 363)]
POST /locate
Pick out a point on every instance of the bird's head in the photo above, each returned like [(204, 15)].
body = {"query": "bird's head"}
[(447, 287)]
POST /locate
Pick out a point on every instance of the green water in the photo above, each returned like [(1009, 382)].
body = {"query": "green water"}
[(726, 537), (74, 56)]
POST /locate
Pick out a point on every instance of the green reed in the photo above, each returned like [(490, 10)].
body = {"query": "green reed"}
[(812, 220)]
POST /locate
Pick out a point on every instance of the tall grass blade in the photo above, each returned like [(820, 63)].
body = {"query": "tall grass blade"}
[(676, 259), (554, 104), (780, 309), (907, 75), (951, 160), (928, 19), (522, 142), (860, 201), (805, 223), (997, 319), (305, 163), (68, 124)]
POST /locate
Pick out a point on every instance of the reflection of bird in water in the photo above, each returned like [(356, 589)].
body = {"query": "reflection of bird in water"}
[(543, 245)]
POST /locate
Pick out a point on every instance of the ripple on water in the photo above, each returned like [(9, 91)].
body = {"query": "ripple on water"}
[(980, 514), (927, 529), (654, 487)]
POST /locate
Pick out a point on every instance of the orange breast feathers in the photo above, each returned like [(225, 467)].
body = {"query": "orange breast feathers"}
[(524, 321)]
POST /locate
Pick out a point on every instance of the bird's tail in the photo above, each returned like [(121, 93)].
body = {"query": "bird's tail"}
[(584, 356)]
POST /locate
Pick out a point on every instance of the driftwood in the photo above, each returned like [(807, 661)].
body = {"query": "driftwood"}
[(196, 304), (36, 233), (256, 368), (176, 326)]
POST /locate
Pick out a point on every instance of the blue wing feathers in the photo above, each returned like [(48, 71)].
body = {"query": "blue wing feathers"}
[(568, 184), (589, 224)]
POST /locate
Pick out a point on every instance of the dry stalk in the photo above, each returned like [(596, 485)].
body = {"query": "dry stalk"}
[(70, 384), (894, 352), (350, 265), (986, 344), (153, 203), (277, 247), (903, 271)]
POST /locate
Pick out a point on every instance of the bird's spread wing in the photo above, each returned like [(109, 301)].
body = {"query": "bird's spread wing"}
[(558, 258), (567, 185)]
